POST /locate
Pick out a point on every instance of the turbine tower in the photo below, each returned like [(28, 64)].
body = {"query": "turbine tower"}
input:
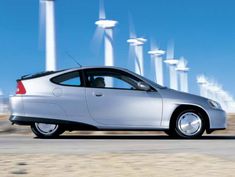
[(172, 63), (1, 102), (48, 15), (107, 26), (183, 73), (138, 43), (202, 82), (156, 55), (213, 88)]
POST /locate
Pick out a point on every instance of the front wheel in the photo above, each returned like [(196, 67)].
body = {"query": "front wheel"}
[(189, 124), (43, 130)]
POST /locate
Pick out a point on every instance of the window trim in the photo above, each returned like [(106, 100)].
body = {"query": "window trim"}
[(81, 74)]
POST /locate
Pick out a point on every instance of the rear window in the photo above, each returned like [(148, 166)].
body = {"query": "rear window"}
[(68, 79)]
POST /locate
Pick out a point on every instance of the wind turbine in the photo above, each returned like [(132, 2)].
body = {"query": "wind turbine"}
[(172, 63), (212, 90), (107, 26), (48, 15), (183, 73), (156, 55), (137, 44)]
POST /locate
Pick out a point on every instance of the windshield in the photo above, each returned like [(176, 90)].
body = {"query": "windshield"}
[(154, 84)]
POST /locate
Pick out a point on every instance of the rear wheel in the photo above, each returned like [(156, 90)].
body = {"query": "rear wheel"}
[(188, 124), (43, 130)]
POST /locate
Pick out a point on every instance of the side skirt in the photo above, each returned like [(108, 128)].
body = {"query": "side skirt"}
[(67, 125), (71, 125)]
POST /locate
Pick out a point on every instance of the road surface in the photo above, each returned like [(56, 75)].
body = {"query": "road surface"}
[(221, 146)]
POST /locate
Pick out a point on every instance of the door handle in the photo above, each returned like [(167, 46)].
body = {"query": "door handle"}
[(98, 94)]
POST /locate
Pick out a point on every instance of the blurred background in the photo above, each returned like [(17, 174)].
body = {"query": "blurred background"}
[(185, 45)]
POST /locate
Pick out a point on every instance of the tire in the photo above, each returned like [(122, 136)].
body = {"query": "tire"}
[(189, 124), (170, 133), (42, 130)]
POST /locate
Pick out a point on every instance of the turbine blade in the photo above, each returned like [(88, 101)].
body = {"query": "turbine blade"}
[(153, 44), (130, 54), (170, 51), (182, 63), (42, 15), (131, 27), (131, 57), (97, 40), (102, 10)]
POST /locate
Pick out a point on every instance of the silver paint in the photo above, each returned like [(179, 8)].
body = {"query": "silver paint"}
[(108, 108)]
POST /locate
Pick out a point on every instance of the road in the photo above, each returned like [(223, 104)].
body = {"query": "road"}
[(221, 146)]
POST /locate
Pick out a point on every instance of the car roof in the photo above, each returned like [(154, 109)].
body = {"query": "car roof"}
[(97, 67)]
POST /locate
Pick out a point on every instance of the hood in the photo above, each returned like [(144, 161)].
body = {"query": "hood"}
[(182, 97)]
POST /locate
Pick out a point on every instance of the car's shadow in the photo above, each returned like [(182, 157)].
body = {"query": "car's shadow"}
[(142, 137)]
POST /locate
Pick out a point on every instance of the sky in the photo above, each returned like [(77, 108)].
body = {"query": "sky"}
[(203, 32)]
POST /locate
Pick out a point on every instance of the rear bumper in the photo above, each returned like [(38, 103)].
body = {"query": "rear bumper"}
[(20, 120), (17, 105)]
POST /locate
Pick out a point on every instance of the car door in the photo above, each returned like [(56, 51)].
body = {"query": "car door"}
[(114, 100)]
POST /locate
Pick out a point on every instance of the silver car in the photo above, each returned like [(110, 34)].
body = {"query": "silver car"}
[(109, 98)]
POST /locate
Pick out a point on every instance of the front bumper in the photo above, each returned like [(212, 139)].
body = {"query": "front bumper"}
[(217, 119)]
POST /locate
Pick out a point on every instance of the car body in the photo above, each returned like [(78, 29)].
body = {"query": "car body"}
[(109, 98)]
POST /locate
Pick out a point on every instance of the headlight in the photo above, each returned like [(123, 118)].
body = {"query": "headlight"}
[(214, 104)]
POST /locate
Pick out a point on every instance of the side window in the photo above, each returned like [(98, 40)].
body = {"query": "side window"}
[(68, 79), (110, 79)]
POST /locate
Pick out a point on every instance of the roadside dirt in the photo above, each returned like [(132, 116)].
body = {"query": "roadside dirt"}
[(133, 164)]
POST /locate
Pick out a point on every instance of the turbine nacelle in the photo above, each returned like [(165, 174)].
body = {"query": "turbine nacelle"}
[(182, 69), (202, 80), (182, 65), (136, 41), (171, 61), (156, 52), (106, 24), (43, 1)]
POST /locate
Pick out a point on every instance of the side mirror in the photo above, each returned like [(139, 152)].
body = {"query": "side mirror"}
[(143, 86)]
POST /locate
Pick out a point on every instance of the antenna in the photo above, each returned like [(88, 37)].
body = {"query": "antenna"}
[(70, 56)]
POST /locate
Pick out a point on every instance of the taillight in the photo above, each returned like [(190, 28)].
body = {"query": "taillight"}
[(20, 88)]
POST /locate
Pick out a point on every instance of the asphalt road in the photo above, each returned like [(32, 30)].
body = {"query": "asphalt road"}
[(211, 145)]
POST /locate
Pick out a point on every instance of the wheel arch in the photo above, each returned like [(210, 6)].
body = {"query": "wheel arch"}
[(181, 108)]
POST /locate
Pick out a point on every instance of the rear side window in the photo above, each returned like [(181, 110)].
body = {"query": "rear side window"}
[(68, 79)]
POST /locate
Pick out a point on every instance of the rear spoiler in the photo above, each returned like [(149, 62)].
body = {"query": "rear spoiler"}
[(37, 75)]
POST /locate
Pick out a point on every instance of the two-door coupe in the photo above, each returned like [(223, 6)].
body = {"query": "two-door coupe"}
[(109, 98)]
